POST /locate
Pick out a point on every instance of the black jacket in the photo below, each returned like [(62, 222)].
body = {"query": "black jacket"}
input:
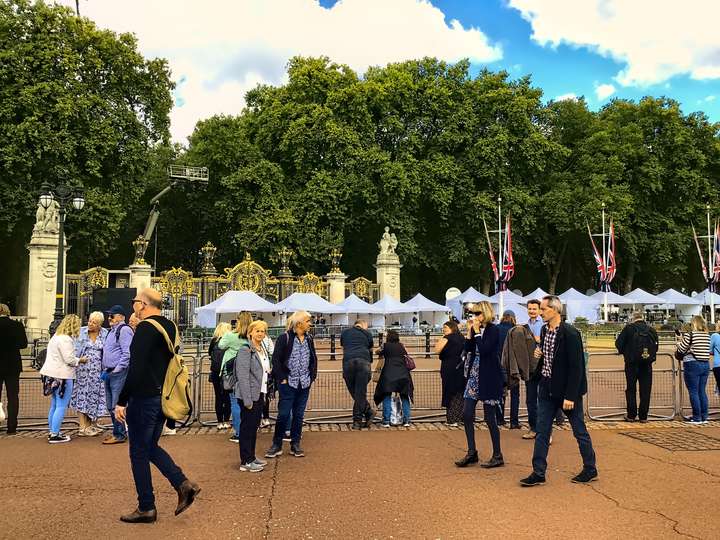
[(12, 340), (569, 380), (623, 343), (281, 355), (356, 343)]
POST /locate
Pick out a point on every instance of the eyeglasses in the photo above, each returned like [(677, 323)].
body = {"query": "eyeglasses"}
[(136, 300)]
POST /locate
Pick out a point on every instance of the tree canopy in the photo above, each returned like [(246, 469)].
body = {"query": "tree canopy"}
[(331, 157)]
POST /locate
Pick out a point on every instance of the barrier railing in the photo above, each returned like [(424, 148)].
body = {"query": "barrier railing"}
[(329, 398), (606, 391)]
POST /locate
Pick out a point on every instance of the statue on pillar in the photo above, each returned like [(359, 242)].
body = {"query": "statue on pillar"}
[(47, 220), (388, 243)]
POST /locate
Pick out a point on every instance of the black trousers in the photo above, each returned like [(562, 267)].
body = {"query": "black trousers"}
[(12, 385), (356, 373), (490, 412), (638, 373), (222, 402), (249, 423)]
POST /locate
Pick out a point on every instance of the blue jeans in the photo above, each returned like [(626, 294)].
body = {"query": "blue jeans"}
[(58, 407), (547, 409), (145, 423), (291, 401), (113, 386), (387, 408), (235, 413), (696, 374)]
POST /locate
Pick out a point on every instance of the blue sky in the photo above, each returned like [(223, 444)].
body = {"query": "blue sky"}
[(599, 49)]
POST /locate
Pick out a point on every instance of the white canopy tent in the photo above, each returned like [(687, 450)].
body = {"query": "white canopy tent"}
[(425, 309), (537, 294), (644, 298), (387, 305), (513, 302), (232, 302), (683, 305), (470, 296), (579, 305), (355, 308), (310, 302)]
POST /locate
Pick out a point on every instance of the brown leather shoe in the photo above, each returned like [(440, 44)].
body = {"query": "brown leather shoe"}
[(186, 495), (140, 517), (113, 440)]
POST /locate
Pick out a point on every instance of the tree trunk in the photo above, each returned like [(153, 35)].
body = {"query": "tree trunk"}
[(629, 278), (554, 271)]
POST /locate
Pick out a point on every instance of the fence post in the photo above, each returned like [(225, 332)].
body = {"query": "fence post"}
[(380, 339), (332, 347), (427, 344)]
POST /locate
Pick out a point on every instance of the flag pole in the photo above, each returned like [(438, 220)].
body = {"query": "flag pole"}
[(500, 258), (605, 262), (710, 267)]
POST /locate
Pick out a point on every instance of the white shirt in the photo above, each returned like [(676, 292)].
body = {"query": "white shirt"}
[(265, 361), (60, 361)]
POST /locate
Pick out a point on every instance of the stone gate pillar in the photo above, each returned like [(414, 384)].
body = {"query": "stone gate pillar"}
[(388, 266)]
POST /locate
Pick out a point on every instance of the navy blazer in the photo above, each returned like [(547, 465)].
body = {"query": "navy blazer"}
[(281, 355), (569, 380), (490, 379)]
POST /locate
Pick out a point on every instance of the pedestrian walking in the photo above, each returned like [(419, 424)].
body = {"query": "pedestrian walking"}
[(222, 396), (231, 342), (485, 383), (450, 349), (88, 394), (507, 323), (638, 343), (357, 344), (394, 378), (115, 362), (294, 368), (140, 406), (252, 367), (518, 361), (12, 340), (563, 383), (58, 374), (694, 350)]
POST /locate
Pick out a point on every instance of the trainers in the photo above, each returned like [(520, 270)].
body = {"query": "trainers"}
[(251, 467), (585, 477), (296, 451), (532, 480), (59, 438), (168, 431), (274, 451), (265, 422), (627, 418), (356, 426), (451, 424), (260, 462), (385, 425), (83, 432), (693, 422), (234, 439), (406, 424), (529, 435)]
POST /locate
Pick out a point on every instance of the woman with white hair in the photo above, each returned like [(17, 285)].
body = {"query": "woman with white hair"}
[(88, 394)]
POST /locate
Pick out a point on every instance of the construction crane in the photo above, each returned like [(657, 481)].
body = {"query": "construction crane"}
[(177, 175)]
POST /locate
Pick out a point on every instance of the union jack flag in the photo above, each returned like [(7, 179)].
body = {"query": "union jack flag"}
[(508, 268), (493, 263), (598, 258), (611, 263)]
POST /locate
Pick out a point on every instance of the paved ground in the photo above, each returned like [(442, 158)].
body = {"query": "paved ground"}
[(399, 483)]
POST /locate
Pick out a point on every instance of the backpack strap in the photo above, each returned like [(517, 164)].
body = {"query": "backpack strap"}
[(172, 348)]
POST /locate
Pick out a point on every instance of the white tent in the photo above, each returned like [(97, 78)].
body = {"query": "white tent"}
[(355, 308), (579, 305), (232, 302), (425, 309), (471, 296), (509, 297), (537, 294), (311, 302), (641, 297), (387, 305), (703, 298), (613, 299), (684, 306)]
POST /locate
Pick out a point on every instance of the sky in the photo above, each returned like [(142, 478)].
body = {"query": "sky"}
[(599, 49)]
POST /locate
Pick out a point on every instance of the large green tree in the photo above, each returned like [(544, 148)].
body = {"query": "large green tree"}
[(77, 104)]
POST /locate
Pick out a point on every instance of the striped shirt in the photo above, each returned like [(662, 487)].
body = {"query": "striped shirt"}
[(548, 350), (695, 346)]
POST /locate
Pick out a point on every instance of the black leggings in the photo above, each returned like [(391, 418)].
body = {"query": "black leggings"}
[(490, 412), (222, 402)]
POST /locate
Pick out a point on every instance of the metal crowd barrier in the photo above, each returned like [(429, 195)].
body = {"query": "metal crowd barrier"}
[(605, 399), (329, 398)]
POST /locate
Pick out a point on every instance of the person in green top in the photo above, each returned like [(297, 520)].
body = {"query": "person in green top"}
[(231, 343)]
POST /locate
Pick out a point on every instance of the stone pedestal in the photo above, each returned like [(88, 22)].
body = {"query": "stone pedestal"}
[(42, 278), (336, 287), (140, 275), (388, 274)]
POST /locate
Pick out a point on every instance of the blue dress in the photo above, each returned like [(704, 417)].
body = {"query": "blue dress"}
[(485, 382), (89, 391)]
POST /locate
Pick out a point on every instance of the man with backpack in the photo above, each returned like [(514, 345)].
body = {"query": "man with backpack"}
[(141, 404), (638, 343), (115, 361)]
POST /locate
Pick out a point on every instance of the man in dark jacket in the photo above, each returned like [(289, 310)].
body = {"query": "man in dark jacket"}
[(357, 345), (12, 340), (563, 383), (638, 343), (294, 369)]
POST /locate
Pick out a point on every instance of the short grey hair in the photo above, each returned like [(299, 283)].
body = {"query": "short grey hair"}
[(638, 316), (98, 316), (297, 317), (554, 302)]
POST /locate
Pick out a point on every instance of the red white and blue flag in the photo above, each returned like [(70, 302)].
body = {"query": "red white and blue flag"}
[(508, 267), (611, 266), (598, 258)]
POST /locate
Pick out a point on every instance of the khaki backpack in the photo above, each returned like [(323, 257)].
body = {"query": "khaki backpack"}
[(176, 403)]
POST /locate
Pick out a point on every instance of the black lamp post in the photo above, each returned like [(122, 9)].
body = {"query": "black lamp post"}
[(65, 196)]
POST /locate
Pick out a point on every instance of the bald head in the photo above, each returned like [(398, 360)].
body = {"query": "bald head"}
[(152, 297)]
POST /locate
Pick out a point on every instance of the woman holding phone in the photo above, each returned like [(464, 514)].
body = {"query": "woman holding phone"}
[(485, 383)]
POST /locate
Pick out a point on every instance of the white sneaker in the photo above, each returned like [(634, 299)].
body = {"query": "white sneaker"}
[(406, 424), (251, 467), (59, 438), (265, 422), (168, 431), (83, 432)]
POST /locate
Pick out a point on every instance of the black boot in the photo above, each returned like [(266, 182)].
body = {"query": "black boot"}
[(186, 495), (495, 461), (140, 517), (469, 459)]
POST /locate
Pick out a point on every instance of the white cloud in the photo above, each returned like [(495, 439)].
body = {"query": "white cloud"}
[(604, 91), (655, 39), (225, 47), (710, 98), (571, 96)]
